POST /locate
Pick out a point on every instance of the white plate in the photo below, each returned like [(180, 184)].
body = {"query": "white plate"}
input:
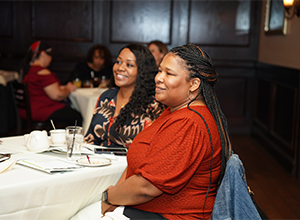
[(96, 161)]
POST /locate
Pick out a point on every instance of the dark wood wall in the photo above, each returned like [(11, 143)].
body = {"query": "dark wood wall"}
[(257, 98), (227, 30), (277, 113)]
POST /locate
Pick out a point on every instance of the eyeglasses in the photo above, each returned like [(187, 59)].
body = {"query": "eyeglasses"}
[(48, 52)]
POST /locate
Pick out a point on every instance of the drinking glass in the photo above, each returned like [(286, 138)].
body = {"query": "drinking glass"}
[(74, 139), (77, 82), (87, 84)]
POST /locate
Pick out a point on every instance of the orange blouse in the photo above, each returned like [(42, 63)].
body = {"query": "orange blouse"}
[(174, 154)]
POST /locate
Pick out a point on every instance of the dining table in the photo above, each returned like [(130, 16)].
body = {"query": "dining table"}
[(27, 193), (84, 101)]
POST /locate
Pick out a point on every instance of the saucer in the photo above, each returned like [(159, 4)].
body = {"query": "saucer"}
[(96, 161)]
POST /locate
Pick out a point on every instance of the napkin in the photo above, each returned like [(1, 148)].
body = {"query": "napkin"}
[(7, 165)]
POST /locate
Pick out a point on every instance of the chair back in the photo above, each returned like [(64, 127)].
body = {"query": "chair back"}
[(22, 102)]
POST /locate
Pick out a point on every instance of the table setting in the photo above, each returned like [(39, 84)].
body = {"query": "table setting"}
[(36, 180)]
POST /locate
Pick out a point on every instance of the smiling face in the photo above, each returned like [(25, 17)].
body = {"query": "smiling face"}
[(172, 84), (125, 69)]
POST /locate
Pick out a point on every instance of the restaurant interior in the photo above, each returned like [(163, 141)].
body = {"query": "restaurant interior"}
[(253, 45)]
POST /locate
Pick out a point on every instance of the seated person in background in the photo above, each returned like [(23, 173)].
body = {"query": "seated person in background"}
[(45, 92), (122, 112), (98, 65), (158, 50), (175, 165)]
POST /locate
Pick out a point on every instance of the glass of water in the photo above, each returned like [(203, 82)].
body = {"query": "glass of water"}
[(74, 139)]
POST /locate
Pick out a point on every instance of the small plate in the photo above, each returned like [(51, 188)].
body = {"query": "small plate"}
[(95, 161)]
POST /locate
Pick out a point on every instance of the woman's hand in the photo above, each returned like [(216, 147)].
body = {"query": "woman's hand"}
[(71, 86), (107, 208), (58, 92)]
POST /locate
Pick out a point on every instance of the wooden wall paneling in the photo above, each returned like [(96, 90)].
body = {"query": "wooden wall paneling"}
[(6, 17), (234, 91), (296, 171), (276, 118), (141, 21), (228, 29), (220, 23), (284, 114), (62, 20), (263, 102), (179, 24)]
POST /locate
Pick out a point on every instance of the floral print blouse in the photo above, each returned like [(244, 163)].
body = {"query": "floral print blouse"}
[(102, 131)]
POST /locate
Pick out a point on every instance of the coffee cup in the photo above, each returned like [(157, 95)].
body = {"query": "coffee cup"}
[(37, 141), (58, 136)]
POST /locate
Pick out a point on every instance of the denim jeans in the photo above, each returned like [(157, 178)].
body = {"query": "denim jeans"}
[(233, 200)]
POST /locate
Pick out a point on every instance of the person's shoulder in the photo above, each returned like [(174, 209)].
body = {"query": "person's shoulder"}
[(110, 93)]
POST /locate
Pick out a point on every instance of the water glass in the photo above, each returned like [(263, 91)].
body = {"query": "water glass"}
[(74, 139)]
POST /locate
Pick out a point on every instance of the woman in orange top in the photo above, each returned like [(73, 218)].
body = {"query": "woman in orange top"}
[(175, 165)]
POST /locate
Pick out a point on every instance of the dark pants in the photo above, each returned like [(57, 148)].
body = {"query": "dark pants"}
[(136, 214)]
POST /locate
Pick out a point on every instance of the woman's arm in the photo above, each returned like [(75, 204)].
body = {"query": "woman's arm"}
[(58, 92), (122, 178), (132, 191)]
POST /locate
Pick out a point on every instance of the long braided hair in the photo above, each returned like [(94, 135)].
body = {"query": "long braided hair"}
[(200, 66), (144, 90)]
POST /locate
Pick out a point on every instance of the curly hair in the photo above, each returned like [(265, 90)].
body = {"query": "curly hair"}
[(144, 90), (103, 51)]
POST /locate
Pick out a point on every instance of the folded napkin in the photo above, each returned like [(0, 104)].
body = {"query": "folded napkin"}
[(7, 165)]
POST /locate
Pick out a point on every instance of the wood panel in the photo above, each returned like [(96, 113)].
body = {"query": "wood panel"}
[(140, 21), (6, 18), (72, 27), (234, 91), (210, 20), (65, 20), (276, 117)]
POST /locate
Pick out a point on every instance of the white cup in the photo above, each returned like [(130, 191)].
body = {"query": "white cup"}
[(58, 136), (37, 141)]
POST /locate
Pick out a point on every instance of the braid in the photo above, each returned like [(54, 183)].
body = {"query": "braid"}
[(200, 66)]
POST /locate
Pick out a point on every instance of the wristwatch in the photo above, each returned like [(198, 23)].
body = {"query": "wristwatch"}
[(105, 197)]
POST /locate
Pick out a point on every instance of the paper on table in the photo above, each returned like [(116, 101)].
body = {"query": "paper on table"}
[(49, 165)]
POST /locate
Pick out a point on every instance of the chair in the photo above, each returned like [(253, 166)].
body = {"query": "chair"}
[(233, 200), (22, 102)]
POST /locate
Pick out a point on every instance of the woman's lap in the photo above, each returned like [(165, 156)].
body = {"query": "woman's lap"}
[(93, 212)]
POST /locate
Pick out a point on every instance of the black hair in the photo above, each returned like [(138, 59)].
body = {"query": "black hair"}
[(144, 90), (199, 65), (103, 51), (32, 54)]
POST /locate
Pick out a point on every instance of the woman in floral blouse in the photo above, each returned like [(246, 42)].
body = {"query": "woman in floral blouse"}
[(122, 112)]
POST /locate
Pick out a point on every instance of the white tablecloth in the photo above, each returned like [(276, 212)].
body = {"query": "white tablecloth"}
[(84, 100), (26, 193)]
